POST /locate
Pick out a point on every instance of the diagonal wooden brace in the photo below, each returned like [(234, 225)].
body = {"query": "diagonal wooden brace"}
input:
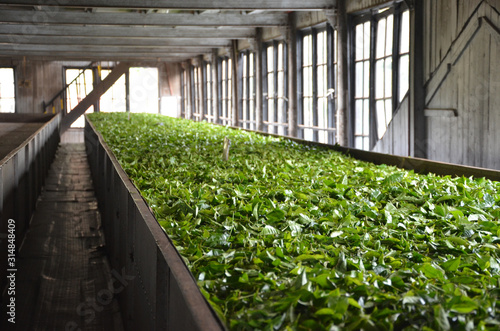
[(93, 96)]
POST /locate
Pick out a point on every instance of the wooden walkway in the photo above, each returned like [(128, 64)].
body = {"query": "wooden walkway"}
[(64, 281)]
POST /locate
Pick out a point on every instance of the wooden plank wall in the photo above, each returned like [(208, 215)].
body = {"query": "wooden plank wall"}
[(36, 82), (464, 37)]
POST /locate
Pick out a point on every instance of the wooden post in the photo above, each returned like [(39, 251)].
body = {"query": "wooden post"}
[(127, 92), (201, 82), (96, 73), (417, 121), (258, 80), (189, 105), (343, 131), (215, 85), (234, 84), (292, 76)]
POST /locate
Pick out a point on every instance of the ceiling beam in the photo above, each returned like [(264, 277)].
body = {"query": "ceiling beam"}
[(21, 48), (101, 56), (54, 15), (128, 32), (285, 5), (106, 41)]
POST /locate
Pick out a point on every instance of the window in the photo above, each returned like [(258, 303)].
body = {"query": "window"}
[(381, 71), (225, 88), (208, 102), (115, 99), (7, 91), (274, 86), (81, 83), (247, 118), (316, 113), (144, 91)]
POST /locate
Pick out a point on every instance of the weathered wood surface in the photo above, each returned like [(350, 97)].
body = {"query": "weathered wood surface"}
[(463, 71)]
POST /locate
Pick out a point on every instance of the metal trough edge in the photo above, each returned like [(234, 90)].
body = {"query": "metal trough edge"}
[(159, 292)]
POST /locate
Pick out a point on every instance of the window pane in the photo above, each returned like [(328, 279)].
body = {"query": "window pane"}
[(381, 31), (379, 76), (388, 111), (358, 142), (358, 51), (7, 91), (78, 90), (114, 100), (405, 32), (359, 80), (389, 35), (381, 118), (366, 117), (358, 128), (366, 41), (388, 77), (366, 79), (404, 67), (366, 143)]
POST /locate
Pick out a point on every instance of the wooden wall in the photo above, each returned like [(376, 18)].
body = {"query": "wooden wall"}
[(36, 82), (462, 67)]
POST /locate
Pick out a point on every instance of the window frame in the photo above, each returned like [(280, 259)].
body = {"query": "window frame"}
[(331, 83), (196, 85), (397, 8), (246, 94), (225, 85), (274, 125)]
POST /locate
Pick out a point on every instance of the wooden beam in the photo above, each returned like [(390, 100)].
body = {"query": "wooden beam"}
[(258, 81), (93, 96), (108, 41), (418, 122), (342, 76), (286, 5), (292, 76), (54, 15), (76, 56), (29, 30), (434, 112), (201, 84), (234, 84), (158, 50)]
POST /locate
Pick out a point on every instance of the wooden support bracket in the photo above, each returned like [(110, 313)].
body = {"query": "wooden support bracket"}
[(93, 96)]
